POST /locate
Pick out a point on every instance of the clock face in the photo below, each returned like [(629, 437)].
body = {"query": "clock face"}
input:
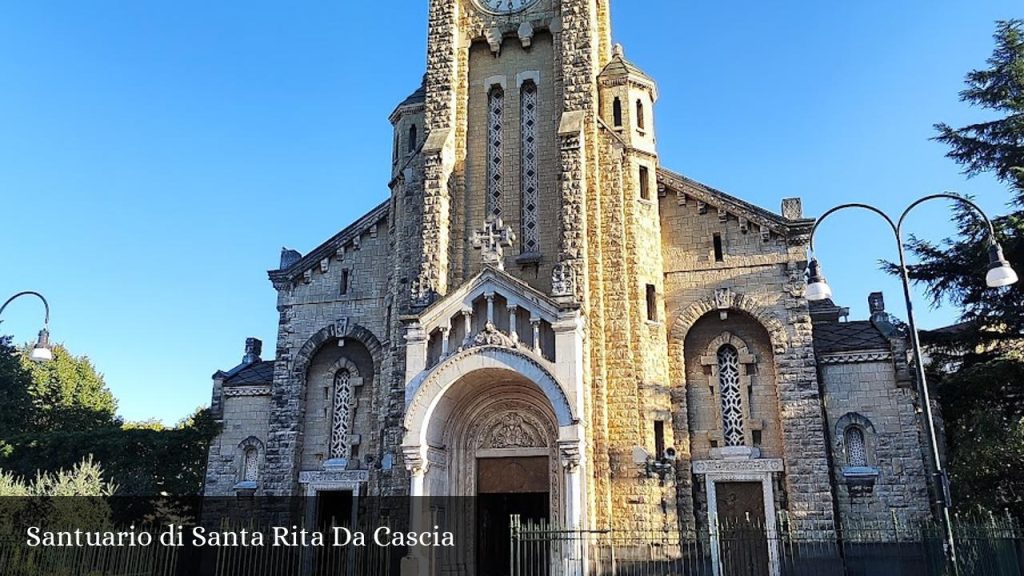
[(505, 6)]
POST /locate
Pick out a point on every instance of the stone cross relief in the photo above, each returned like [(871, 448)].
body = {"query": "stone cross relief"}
[(492, 240)]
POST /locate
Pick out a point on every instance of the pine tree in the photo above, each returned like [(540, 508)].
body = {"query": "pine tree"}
[(978, 364)]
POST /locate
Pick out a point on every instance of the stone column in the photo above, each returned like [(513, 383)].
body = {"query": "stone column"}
[(417, 562), (416, 339), (569, 451), (513, 312)]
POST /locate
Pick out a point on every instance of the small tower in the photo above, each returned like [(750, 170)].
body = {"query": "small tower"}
[(627, 101), (407, 122)]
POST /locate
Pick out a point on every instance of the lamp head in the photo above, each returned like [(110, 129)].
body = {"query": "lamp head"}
[(1000, 273), (41, 352), (817, 286)]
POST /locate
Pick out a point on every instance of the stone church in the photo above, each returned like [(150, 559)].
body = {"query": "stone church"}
[(540, 314)]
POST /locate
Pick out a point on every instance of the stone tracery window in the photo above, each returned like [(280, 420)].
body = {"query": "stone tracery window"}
[(495, 135), (856, 452), (342, 414), (529, 181), (731, 394), (251, 465)]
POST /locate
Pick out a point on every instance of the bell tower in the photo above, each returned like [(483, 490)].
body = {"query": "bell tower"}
[(509, 90)]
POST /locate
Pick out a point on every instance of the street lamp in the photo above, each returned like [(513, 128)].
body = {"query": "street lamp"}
[(41, 351), (999, 274)]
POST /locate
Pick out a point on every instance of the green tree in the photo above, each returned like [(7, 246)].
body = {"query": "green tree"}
[(978, 367), (15, 381), (68, 394)]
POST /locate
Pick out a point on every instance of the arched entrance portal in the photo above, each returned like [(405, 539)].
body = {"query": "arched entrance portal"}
[(498, 429), (496, 442)]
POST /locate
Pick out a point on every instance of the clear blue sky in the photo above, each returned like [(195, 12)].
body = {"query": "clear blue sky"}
[(155, 156)]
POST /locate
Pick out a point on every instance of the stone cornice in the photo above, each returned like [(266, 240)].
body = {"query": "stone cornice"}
[(234, 391), (329, 249), (855, 357), (794, 231), (737, 466)]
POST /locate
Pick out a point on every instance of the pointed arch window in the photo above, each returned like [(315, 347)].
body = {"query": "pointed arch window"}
[(529, 179), (495, 138), (342, 419), (731, 394), (640, 121), (412, 138), (617, 112)]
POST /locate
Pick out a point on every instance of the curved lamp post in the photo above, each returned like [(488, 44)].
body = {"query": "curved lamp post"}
[(999, 274), (41, 352)]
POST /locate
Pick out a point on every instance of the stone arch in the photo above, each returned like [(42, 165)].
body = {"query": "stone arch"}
[(724, 300), (728, 338), (341, 329), (861, 422), (694, 345), (251, 445), (441, 379)]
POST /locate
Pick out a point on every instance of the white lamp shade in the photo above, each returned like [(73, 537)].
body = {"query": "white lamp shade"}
[(40, 354), (818, 291), (1000, 276)]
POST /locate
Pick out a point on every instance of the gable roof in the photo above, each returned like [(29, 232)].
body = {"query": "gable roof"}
[(331, 246), (261, 372), (795, 230), (856, 335)]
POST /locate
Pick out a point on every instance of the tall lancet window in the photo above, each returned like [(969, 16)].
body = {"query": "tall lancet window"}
[(495, 135), (342, 421), (732, 400), (529, 181)]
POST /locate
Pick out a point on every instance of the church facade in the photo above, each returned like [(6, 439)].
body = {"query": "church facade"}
[(541, 310)]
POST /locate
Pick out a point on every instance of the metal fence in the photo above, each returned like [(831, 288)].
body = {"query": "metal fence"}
[(986, 547), (16, 559)]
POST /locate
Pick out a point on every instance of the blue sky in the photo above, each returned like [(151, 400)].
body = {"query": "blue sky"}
[(154, 157)]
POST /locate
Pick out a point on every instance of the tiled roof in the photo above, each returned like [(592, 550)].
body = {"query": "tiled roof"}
[(417, 97), (255, 373), (619, 66), (832, 337)]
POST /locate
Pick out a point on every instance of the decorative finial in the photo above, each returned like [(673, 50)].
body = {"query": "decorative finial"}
[(618, 51)]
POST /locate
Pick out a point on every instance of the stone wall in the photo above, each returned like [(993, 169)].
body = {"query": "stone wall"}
[(515, 66), (314, 313), (245, 416), (759, 273), (864, 394)]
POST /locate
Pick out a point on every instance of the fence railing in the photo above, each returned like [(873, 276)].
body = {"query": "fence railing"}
[(985, 547)]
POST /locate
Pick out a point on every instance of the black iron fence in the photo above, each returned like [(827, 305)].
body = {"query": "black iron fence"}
[(985, 547)]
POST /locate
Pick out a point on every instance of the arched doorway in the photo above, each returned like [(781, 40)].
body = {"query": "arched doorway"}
[(499, 439), (495, 428)]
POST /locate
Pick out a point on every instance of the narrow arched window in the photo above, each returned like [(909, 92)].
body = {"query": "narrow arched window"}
[(341, 421), (640, 122), (856, 454), (732, 398), (495, 139), (529, 179), (251, 465), (412, 138), (394, 149), (617, 112)]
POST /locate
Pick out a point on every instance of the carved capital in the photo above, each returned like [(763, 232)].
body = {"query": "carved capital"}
[(569, 455), (415, 462)]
